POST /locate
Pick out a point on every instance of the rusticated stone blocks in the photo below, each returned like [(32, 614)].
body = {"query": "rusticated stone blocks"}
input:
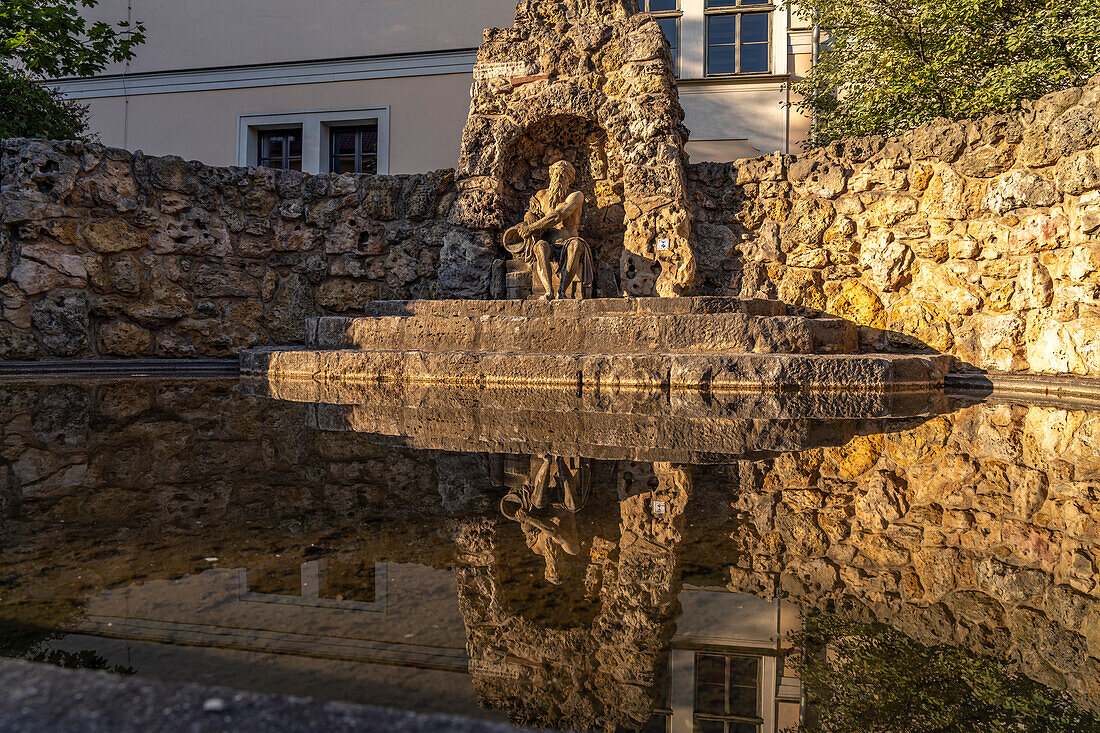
[(106, 253), (977, 238)]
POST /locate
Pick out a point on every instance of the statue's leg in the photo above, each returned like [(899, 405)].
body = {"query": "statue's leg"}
[(540, 482), (541, 250), (572, 257)]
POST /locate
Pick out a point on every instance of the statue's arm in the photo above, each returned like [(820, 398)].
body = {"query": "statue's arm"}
[(560, 213)]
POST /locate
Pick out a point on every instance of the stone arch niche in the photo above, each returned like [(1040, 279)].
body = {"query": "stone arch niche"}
[(584, 144), (589, 81)]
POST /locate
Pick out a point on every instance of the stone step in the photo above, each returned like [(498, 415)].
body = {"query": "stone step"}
[(626, 333), (576, 308), (715, 372)]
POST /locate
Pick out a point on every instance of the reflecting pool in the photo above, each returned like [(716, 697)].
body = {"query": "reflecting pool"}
[(659, 562)]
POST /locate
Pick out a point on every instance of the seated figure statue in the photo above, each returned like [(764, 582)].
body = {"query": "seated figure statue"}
[(549, 235)]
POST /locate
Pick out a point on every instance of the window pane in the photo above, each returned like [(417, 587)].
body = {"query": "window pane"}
[(275, 147), (670, 26), (370, 139), (721, 3), (369, 165), (658, 6), (709, 726), (343, 143), (710, 699), (744, 671), (755, 2), (754, 58), (744, 728), (294, 142), (656, 724), (296, 164), (721, 29), (711, 669), (754, 28), (720, 60), (744, 702), (344, 164)]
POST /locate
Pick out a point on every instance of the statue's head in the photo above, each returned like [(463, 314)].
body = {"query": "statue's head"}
[(563, 171)]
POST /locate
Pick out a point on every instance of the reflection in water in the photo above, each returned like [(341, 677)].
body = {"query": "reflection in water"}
[(657, 562), (545, 505)]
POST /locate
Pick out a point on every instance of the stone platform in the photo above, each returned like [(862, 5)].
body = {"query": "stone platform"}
[(651, 343)]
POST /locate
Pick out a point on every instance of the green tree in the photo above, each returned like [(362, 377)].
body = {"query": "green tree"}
[(43, 39), (888, 65)]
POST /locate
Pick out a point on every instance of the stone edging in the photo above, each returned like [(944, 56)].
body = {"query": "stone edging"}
[(1028, 385), (182, 368)]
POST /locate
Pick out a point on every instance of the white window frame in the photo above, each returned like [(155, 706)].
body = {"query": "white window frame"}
[(315, 126)]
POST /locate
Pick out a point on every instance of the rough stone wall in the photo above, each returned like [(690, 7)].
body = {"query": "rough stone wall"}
[(978, 528), (979, 238), (590, 81), (107, 253)]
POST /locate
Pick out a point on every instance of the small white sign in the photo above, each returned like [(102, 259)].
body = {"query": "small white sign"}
[(659, 507), (664, 245)]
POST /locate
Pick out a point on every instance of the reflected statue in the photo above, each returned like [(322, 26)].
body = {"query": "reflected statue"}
[(545, 508), (549, 234)]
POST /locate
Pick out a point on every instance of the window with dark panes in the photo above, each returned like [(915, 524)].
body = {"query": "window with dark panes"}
[(727, 694), (738, 36), (280, 149), (354, 149), (667, 14)]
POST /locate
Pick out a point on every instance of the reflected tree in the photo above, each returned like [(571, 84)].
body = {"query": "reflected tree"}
[(868, 678)]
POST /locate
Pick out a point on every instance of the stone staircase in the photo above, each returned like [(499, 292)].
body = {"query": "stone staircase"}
[(652, 343)]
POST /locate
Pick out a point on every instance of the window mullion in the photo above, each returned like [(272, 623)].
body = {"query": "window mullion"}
[(737, 43)]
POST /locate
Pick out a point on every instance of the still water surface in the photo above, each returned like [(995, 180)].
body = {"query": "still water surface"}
[(660, 563)]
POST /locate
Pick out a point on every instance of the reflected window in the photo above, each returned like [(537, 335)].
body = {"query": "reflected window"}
[(281, 149), (727, 694), (661, 722), (667, 13), (354, 149), (738, 37)]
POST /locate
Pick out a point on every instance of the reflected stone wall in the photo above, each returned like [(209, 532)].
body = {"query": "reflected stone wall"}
[(976, 529)]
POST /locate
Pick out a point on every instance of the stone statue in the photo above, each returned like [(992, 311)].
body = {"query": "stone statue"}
[(549, 234)]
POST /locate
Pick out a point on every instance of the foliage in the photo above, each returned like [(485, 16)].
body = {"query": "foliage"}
[(888, 65), (29, 109), (50, 38), (41, 39), (868, 678)]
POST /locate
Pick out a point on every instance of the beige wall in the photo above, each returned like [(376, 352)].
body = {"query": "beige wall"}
[(728, 119), (427, 114), (201, 34), (725, 111)]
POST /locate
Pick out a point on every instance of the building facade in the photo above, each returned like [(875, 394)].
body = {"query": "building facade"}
[(383, 85)]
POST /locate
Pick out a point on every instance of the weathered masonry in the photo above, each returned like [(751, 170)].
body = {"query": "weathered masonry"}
[(979, 239)]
